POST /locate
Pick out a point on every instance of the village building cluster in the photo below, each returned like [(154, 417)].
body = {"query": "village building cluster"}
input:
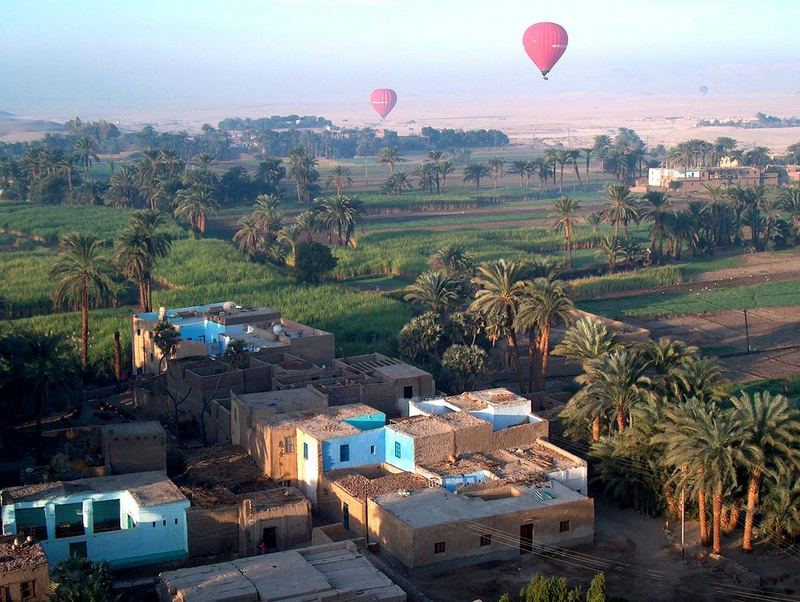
[(362, 446)]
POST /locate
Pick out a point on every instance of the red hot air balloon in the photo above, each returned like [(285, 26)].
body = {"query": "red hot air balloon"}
[(383, 101), (545, 43)]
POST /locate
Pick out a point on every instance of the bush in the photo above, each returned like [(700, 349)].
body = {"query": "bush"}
[(313, 261)]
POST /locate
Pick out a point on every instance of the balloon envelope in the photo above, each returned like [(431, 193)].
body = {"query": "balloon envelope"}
[(383, 100), (545, 43)]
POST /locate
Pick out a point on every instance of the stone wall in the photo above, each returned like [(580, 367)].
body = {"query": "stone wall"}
[(213, 530)]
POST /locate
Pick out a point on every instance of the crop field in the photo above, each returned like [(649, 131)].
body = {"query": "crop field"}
[(25, 288), (46, 223), (212, 270)]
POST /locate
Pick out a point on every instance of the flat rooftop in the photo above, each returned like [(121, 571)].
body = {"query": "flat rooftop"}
[(286, 397), (134, 429), (147, 489), (331, 423), (480, 400), (529, 464), (19, 558), (359, 486), (377, 363), (426, 426), (437, 506), (327, 572)]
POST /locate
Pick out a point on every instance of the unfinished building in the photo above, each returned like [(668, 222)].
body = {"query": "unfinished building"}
[(24, 572), (134, 447), (336, 571)]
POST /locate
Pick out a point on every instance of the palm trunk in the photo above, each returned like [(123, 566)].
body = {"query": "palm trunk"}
[(544, 354), (568, 236), (752, 499), (595, 428), (512, 343), (531, 358), (117, 358), (561, 179), (299, 200), (85, 325), (703, 517), (716, 513), (621, 420), (729, 525)]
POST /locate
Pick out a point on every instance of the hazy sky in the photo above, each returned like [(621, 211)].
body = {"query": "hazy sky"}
[(53, 53)]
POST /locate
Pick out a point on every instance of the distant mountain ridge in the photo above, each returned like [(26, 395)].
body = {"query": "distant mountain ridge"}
[(7, 115)]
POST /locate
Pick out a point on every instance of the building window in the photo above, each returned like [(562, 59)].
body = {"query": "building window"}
[(176, 521), (344, 453), (288, 445), (408, 392), (286, 483), (31, 521), (563, 526), (105, 516), (398, 451), (438, 547), (69, 520), (305, 450), (486, 539), (372, 450), (28, 590)]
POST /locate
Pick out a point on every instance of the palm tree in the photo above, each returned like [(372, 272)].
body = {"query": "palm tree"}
[(205, 161), (701, 446), (339, 177), (586, 340), (770, 432), (454, 261), (390, 156), (564, 210), (617, 382), (545, 304), (248, 236), (397, 182), (86, 150), (657, 210), (194, 204), (594, 220), (41, 371), (123, 190), (444, 168), (681, 228), (84, 278), (520, 168), (574, 154), (303, 170), (620, 209), (67, 165), (307, 221), (474, 172), (497, 169), (340, 214), (139, 247), (602, 146), (290, 235), (611, 250), (791, 204), (434, 290), (267, 215), (500, 290)]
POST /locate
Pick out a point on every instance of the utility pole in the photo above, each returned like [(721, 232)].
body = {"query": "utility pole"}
[(747, 331), (366, 511), (366, 172)]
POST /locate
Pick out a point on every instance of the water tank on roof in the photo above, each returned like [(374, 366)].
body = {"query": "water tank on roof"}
[(229, 306)]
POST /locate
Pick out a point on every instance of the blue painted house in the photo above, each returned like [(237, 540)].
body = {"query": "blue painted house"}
[(127, 520)]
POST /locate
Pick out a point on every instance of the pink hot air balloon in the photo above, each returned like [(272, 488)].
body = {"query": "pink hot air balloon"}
[(383, 101), (545, 43)]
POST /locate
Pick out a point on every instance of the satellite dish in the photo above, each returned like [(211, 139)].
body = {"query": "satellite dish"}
[(277, 330), (162, 313), (249, 330), (229, 306)]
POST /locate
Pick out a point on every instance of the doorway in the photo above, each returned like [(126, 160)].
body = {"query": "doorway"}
[(526, 538), (346, 517), (78, 549), (270, 538)]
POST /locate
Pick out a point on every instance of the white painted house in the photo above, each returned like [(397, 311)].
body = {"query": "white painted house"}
[(126, 520)]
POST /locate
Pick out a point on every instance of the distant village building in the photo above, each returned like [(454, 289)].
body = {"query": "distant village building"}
[(134, 447), (335, 571), (127, 520), (24, 571), (695, 180), (207, 330)]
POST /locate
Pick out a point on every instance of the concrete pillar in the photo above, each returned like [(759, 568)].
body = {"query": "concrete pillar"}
[(88, 517), (9, 520), (50, 520)]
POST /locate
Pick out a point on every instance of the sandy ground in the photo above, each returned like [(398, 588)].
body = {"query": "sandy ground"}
[(543, 115), (641, 560)]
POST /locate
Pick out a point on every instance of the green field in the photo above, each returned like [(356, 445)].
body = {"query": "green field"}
[(773, 294), (46, 223)]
